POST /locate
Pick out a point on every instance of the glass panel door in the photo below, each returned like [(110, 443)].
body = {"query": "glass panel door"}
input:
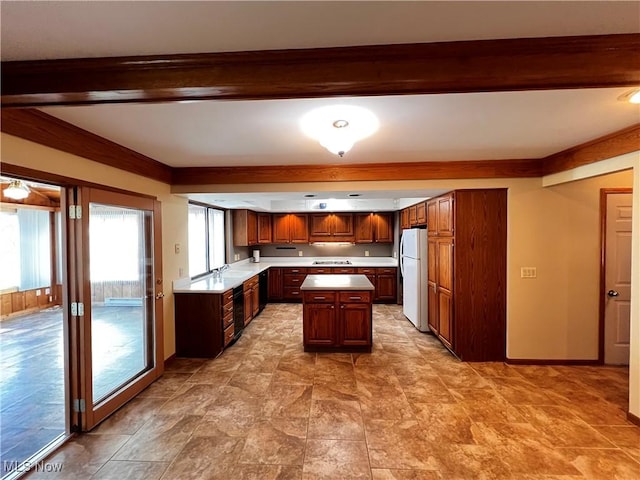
[(122, 300), (121, 276)]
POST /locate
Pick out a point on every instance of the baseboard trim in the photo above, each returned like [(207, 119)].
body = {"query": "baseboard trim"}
[(169, 360), (633, 418), (548, 361)]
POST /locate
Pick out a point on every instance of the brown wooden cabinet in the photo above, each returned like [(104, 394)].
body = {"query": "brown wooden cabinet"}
[(264, 235), (204, 323), (331, 227), (467, 272), (386, 285), (413, 216), (292, 279), (245, 228), (251, 292), (275, 284), (404, 219), (421, 213), (339, 320), (290, 228), (373, 227)]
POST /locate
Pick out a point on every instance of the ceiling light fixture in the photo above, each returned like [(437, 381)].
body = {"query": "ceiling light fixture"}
[(338, 127), (17, 190), (632, 96)]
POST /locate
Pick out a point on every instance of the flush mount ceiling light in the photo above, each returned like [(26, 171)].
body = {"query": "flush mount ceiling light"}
[(338, 127), (632, 96), (17, 190)]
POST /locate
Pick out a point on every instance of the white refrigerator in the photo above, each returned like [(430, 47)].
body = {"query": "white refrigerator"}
[(413, 266)]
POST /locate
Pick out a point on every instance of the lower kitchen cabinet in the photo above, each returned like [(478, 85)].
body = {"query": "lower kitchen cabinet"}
[(251, 290), (337, 320), (204, 323), (275, 284)]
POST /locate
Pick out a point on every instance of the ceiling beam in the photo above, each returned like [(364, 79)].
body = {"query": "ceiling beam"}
[(45, 129), (608, 146), (445, 67), (516, 168)]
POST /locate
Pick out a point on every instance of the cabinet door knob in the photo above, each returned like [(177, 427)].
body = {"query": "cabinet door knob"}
[(613, 293)]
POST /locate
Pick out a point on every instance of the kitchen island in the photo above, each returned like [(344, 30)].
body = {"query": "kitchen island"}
[(337, 313)]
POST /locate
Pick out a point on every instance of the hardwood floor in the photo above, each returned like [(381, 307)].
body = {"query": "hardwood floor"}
[(265, 409)]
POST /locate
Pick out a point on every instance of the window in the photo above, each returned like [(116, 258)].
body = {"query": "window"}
[(206, 239), (25, 252)]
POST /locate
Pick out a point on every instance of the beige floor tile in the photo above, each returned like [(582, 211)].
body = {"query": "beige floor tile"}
[(336, 459), (276, 441), (204, 458), (399, 444), (118, 470), (444, 422), (265, 472), (88, 449), (160, 440), (562, 428), (335, 419), (285, 400), (131, 417), (387, 474), (622, 435), (603, 464)]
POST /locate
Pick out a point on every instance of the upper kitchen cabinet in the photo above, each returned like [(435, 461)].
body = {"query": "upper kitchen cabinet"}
[(440, 215), (331, 227), (264, 228), (245, 228), (290, 228), (404, 219), (374, 227)]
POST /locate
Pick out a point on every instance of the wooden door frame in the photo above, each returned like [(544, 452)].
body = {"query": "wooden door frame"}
[(604, 193)]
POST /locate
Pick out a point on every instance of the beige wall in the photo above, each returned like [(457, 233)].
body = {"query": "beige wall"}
[(555, 229), (174, 208)]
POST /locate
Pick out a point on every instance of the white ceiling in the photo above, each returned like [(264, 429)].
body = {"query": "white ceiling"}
[(413, 128)]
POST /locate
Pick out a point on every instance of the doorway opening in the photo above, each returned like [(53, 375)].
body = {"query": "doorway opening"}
[(33, 335)]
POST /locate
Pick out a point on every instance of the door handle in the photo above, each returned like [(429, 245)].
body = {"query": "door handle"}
[(159, 295), (613, 293)]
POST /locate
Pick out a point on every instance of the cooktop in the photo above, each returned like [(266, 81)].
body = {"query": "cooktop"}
[(332, 262)]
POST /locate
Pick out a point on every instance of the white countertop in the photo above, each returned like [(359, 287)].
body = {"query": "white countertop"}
[(243, 270), (343, 281)]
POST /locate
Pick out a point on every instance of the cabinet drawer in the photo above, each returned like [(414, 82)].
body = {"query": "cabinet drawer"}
[(227, 309), (355, 297), (227, 297), (344, 270), (293, 280), (291, 293), (319, 270), (387, 270), (227, 319), (366, 271), (320, 297), (228, 335), (288, 271)]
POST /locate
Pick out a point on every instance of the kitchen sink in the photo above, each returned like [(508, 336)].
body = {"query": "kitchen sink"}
[(332, 262)]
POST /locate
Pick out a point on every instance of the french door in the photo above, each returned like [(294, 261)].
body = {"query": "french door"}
[(115, 300)]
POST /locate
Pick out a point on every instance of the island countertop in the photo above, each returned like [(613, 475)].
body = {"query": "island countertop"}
[(337, 282)]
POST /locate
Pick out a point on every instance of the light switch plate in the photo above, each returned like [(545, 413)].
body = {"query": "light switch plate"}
[(528, 272)]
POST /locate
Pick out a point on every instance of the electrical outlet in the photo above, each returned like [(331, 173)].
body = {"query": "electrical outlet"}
[(366, 253), (299, 253), (528, 272), (176, 248), (180, 272), (38, 293)]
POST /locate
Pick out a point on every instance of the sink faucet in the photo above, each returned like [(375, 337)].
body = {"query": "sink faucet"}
[(217, 272), (223, 268)]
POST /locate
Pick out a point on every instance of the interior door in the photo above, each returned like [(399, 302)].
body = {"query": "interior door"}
[(617, 311), (120, 300)]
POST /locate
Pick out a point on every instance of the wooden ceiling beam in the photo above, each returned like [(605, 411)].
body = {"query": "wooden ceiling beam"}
[(445, 67), (617, 143)]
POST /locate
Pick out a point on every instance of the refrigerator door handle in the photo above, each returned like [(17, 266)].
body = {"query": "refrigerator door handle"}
[(402, 255)]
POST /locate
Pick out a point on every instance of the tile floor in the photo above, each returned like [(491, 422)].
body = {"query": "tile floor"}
[(409, 410)]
